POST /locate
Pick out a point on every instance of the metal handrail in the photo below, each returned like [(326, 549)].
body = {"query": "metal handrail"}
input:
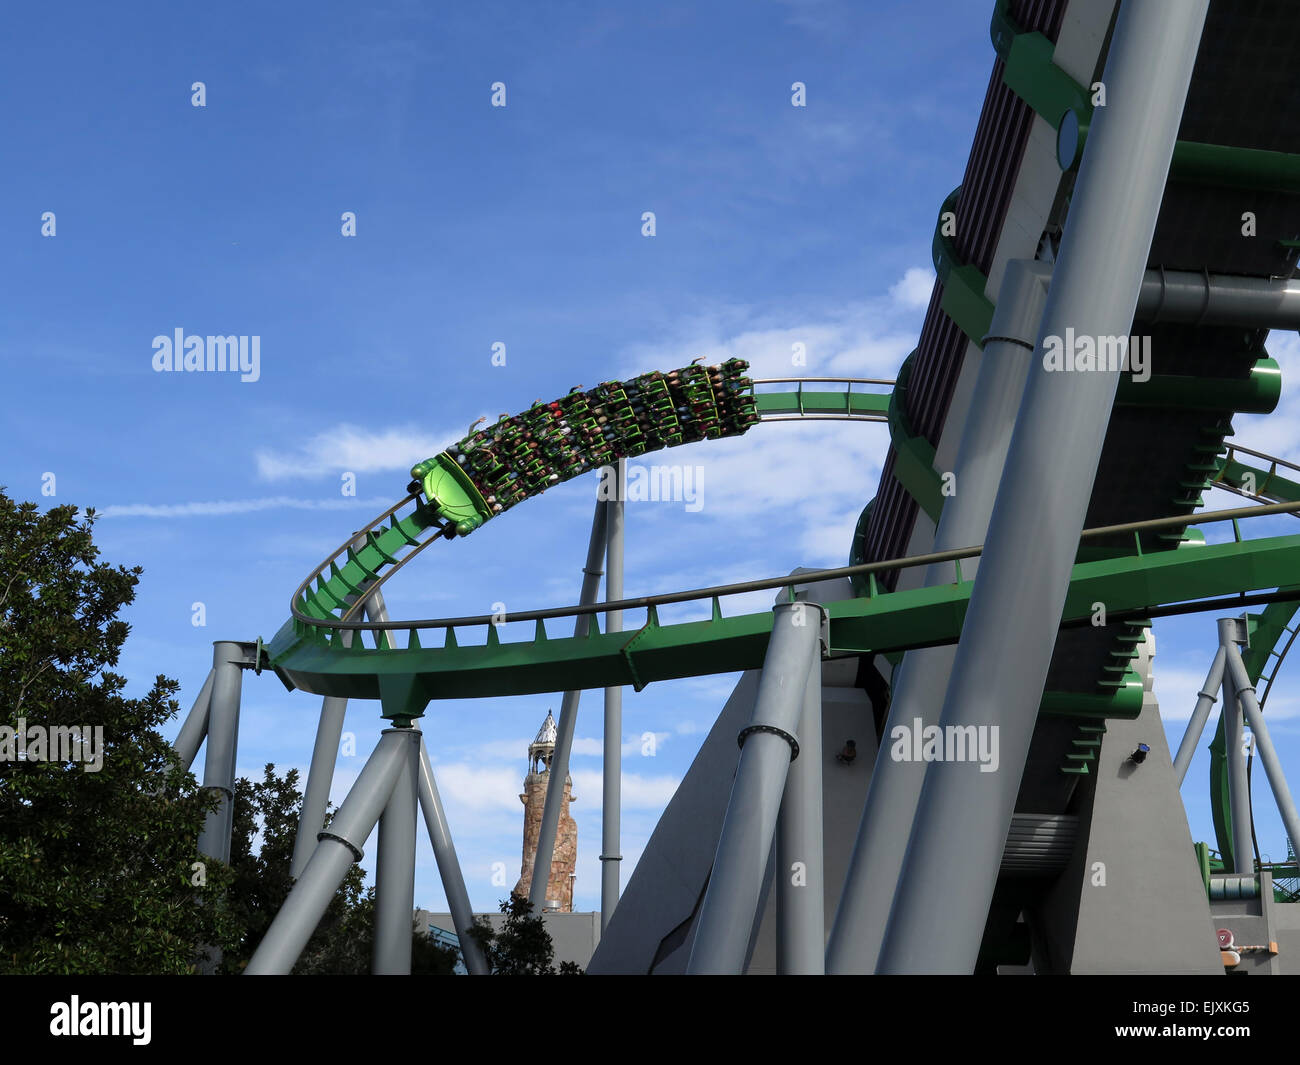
[(1273, 459), (786, 581), (822, 380)]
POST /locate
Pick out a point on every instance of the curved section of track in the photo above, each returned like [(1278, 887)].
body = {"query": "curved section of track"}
[(406, 664), (1262, 477)]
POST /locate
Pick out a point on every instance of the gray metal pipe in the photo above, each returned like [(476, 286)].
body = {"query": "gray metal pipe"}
[(453, 880), (768, 745), (1243, 858), (223, 743), (395, 868), (1196, 725), (611, 854), (195, 728), (957, 840), (338, 848), (320, 777), (919, 683), (324, 754), (800, 855), (559, 769), (1219, 299), (1264, 745)]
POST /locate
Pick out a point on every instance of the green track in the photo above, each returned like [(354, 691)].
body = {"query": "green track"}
[(413, 663)]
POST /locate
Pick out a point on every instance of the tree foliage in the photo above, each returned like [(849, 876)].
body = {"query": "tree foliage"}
[(522, 946), (97, 870)]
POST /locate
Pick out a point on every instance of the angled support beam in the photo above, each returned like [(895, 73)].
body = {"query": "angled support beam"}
[(920, 681), (768, 746), (1245, 692), (320, 777), (1196, 726), (337, 850), (951, 867), (559, 768), (195, 728), (329, 732), (453, 881)]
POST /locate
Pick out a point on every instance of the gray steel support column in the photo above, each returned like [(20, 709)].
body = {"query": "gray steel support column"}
[(1234, 737), (955, 848), (1245, 691), (190, 738), (611, 854), (223, 743), (1204, 703), (800, 856), (338, 848), (320, 777), (768, 745), (453, 881), (559, 769), (395, 872), (324, 754), (919, 683)]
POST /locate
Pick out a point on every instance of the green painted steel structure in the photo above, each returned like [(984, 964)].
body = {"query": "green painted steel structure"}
[(406, 664)]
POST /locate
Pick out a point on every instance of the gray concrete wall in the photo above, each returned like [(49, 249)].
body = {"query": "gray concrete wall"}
[(668, 882), (1135, 886), (573, 935)]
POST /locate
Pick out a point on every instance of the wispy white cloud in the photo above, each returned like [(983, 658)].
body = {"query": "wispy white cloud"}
[(351, 448), (824, 472), (480, 786), (863, 339), (496, 788), (638, 792), (221, 508), (814, 16)]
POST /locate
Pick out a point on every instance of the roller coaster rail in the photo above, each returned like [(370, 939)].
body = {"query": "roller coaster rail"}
[(325, 641), (421, 519), (808, 403), (320, 618), (788, 581)]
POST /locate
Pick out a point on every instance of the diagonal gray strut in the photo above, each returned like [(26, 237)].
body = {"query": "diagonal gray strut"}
[(1245, 693), (335, 852), (329, 732), (559, 769), (919, 681), (453, 881), (768, 745), (951, 866), (1196, 725)]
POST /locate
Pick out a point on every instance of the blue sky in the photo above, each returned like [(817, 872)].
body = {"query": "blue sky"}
[(475, 225)]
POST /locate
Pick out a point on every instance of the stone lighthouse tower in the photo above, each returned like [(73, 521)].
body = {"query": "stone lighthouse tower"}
[(559, 887)]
